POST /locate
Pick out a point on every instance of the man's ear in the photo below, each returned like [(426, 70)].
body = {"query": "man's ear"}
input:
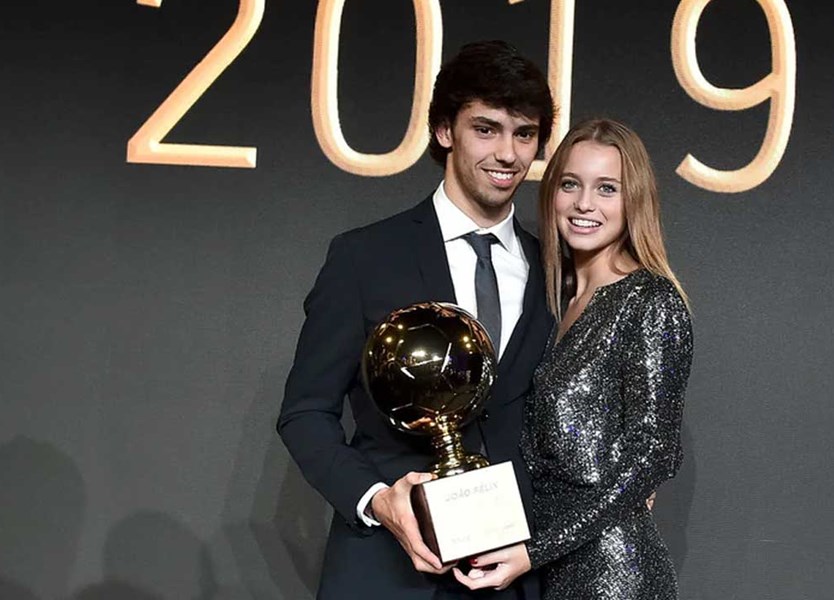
[(443, 133)]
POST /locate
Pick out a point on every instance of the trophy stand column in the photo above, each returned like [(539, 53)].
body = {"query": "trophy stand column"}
[(452, 459)]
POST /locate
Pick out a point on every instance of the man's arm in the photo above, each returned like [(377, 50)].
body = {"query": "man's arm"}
[(325, 368)]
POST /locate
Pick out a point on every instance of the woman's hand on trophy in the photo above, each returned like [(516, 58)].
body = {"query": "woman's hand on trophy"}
[(496, 569), (392, 508)]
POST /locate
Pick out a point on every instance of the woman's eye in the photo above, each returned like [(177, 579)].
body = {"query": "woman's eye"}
[(607, 188), (568, 185)]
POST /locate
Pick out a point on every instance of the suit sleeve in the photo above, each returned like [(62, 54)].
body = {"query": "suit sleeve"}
[(655, 373), (325, 368)]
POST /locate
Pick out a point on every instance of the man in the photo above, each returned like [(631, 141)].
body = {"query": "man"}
[(491, 113)]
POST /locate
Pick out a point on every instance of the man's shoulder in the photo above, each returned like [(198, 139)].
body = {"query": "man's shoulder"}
[(526, 231), (387, 227), (529, 242)]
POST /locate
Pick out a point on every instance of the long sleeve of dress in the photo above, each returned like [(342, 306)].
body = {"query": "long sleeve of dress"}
[(653, 376)]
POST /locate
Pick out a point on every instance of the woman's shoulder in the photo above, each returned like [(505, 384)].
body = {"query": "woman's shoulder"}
[(657, 292)]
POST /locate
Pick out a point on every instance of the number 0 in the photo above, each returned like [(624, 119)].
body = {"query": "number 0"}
[(325, 99)]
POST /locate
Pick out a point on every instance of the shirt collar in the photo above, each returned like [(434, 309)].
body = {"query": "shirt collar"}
[(454, 223)]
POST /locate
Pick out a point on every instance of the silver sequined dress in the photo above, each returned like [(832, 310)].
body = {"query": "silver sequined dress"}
[(602, 432)]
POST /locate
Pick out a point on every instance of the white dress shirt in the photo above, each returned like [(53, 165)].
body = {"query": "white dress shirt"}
[(511, 269), (507, 258)]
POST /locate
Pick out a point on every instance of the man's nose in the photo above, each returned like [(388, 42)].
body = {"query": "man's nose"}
[(506, 151)]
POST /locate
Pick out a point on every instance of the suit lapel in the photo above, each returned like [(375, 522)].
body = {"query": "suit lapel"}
[(512, 379), (431, 253)]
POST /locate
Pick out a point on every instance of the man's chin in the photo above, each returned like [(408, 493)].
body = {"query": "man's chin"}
[(498, 199)]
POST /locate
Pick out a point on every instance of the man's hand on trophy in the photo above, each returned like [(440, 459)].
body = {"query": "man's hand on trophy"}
[(392, 508)]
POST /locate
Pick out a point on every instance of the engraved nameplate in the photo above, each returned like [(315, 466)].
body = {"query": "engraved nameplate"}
[(471, 513)]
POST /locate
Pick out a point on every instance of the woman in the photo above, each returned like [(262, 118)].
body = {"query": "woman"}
[(603, 420)]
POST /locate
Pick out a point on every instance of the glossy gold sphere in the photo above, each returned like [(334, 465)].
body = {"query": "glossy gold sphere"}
[(429, 367)]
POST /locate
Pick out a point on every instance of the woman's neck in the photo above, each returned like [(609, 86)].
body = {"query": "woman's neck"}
[(601, 268)]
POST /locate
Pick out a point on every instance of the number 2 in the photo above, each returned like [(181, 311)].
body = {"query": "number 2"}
[(146, 144)]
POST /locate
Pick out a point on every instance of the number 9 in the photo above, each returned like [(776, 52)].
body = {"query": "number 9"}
[(779, 86)]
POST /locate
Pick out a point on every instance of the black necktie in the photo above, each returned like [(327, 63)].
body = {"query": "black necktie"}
[(486, 286)]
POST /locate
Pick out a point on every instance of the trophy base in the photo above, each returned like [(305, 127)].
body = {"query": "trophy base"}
[(471, 513)]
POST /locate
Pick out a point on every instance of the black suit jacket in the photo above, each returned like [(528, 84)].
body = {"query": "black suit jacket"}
[(368, 273)]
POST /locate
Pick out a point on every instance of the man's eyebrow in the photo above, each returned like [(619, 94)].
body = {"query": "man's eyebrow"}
[(485, 121), (531, 127), (482, 120)]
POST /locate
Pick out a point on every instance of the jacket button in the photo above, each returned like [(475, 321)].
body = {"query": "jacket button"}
[(484, 416)]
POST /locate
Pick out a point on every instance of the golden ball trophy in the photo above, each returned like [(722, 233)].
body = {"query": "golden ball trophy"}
[(429, 368)]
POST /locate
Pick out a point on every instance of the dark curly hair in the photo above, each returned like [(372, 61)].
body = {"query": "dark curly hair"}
[(493, 73)]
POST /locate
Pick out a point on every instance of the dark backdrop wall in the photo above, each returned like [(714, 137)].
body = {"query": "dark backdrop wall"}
[(149, 313)]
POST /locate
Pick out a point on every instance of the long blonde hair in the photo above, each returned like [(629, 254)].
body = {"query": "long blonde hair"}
[(643, 237)]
